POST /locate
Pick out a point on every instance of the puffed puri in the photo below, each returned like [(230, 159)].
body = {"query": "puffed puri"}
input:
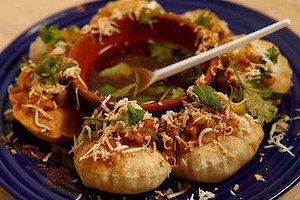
[(216, 162), (133, 173)]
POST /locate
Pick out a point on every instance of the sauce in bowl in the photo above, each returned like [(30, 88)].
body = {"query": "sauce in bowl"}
[(117, 75)]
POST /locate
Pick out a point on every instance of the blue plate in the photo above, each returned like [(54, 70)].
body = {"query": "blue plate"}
[(27, 177)]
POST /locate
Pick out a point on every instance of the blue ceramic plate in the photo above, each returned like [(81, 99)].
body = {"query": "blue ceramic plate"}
[(25, 176)]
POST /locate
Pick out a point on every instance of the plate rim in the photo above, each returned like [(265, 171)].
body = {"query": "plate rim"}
[(70, 11)]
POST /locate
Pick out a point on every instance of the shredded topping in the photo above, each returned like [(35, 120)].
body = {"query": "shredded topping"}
[(195, 125), (277, 133), (124, 129), (104, 22)]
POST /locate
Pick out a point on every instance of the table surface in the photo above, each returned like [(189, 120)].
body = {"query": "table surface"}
[(19, 15)]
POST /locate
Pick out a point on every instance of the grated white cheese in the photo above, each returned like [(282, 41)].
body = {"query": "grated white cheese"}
[(72, 72), (202, 133), (168, 118), (45, 159), (277, 133), (79, 196), (36, 121), (259, 177), (60, 48), (165, 139), (38, 110), (107, 27), (232, 193), (205, 195), (175, 194)]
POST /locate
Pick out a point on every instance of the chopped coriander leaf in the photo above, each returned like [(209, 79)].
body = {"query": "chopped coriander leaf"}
[(49, 71), (106, 90), (272, 54), (161, 52), (73, 29), (177, 92), (132, 116), (121, 69), (143, 98), (264, 110), (101, 119), (148, 14), (156, 89), (204, 19), (149, 132), (257, 96), (207, 96), (122, 92), (258, 86), (52, 35), (276, 95), (165, 94), (95, 128)]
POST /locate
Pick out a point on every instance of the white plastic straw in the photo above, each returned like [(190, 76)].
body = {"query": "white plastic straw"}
[(207, 55)]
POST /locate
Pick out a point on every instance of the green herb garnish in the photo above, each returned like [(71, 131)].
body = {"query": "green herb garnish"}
[(148, 14), (177, 92), (165, 94), (161, 52), (52, 35), (204, 19), (257, 99), (264, 110), (207, 96), (149, 132), (272, 54), (122, 92), (121, 69), (106, 90), (131, 117), (51, 68)]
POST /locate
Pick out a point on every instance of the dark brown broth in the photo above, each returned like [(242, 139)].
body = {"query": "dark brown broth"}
[(140, 56)]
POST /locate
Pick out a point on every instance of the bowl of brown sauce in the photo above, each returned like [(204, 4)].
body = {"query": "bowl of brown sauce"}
[(108, 62)]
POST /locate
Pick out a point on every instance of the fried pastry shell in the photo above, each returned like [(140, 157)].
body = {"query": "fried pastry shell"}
[(133, 173), (214, 162)]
